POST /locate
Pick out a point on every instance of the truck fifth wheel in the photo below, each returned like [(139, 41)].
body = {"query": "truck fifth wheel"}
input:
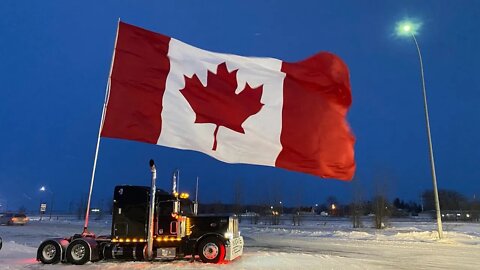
[(178, 232)]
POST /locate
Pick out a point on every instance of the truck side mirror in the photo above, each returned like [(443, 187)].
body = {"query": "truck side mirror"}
[(195, 208)]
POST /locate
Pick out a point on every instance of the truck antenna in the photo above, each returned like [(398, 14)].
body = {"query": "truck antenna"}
[(195, 203), (178, 180), (196, 191)]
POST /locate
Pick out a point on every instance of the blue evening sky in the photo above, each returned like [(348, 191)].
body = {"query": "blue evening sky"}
[(55, 58)]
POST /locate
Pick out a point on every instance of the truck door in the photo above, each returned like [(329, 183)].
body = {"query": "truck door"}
[(167, 224)]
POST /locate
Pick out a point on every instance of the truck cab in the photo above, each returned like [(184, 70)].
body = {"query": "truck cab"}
[(178, 231)]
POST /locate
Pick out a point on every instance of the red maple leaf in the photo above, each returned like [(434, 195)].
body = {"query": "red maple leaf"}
[(217, 102)]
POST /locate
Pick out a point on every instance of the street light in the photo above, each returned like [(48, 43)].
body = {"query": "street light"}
[(43, 189), (409, 28)]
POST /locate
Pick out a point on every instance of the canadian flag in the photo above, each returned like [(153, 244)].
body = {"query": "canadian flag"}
[(236, 109)]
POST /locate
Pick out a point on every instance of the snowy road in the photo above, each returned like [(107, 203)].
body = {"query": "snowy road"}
[(330, 245)]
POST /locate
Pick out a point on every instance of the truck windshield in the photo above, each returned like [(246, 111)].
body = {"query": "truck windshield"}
[(186, 207)]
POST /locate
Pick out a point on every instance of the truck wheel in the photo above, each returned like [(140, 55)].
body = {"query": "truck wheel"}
[(49, 252), (78, 252), (211, 250), (101, 248)]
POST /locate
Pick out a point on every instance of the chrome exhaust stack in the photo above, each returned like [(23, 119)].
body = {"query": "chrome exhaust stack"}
[(151, 210)]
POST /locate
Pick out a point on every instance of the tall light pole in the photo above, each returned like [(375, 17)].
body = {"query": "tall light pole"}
[(43, 189), (407, 28)]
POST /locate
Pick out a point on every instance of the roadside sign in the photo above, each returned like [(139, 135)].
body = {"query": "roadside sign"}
[(43, 208)]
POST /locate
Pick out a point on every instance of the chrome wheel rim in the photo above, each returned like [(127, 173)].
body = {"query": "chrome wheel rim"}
[(49, 252), (210, 251), (78, 252)]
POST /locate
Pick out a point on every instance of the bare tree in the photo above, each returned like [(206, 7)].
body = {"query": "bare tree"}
[(297, 218), (357, 206), (380, 205), (381, 210)]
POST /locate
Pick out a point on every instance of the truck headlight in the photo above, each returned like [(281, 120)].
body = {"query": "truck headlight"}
[(229, 235)]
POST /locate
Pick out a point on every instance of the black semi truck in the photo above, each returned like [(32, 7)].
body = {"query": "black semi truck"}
[(176, 231)]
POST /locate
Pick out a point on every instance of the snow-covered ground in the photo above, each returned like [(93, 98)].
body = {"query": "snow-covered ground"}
[(329, 244)]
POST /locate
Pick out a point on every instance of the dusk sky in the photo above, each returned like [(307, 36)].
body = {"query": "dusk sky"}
[(55, 58)]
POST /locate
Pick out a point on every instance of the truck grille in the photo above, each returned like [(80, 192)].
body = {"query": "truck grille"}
[(188, 227)]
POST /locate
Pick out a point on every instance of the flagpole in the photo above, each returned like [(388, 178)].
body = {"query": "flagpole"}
[(102, 119)]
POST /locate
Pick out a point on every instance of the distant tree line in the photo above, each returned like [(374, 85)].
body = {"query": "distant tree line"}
[(379, 208), (449, 200)]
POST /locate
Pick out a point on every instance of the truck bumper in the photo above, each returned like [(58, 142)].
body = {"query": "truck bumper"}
[(234, 248)]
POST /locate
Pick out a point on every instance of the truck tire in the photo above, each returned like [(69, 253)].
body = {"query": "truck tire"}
[(101, 248), (49, 252), (211, 250), (78, 252)]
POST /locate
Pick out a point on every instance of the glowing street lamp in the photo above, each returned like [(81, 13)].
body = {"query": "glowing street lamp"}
[(410, 28), (407, 28)]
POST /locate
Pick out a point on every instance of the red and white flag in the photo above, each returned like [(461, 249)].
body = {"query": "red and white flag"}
[(236, 109)]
